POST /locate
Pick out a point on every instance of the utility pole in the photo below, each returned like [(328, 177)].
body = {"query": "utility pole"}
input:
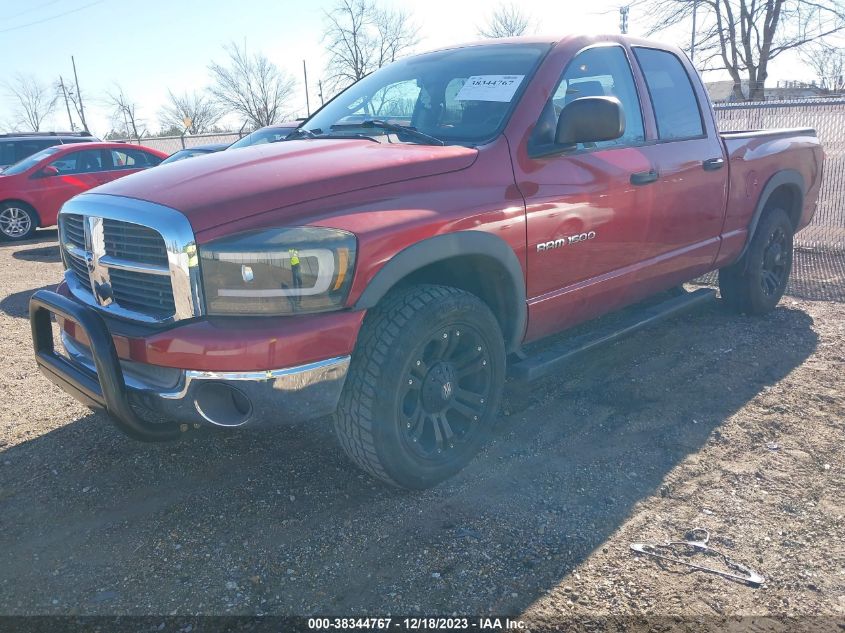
[(692, 38), (67, 105), (623, 18), (79, 95), (307, 101), (320, 86)]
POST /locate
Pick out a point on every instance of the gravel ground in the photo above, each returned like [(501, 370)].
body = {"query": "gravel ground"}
[(715, 420)]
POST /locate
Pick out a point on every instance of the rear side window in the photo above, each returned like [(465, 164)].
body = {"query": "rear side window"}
[(672, 95), (132, 159), (7, 153), (13, 151), (27, 148)]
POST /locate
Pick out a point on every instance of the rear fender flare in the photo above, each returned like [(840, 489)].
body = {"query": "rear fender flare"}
[(783, 177)]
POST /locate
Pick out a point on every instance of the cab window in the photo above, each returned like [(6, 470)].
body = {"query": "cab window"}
[(672, 97), (596, 72)]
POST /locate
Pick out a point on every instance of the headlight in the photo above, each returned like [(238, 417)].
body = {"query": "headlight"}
[(278, 271)]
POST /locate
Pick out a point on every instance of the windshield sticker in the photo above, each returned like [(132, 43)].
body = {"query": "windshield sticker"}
[(489, 88)]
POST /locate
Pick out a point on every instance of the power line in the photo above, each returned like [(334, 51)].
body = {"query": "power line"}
[(52, 17), (30, 10)]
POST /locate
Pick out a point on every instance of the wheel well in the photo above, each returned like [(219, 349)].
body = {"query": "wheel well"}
[(23, 204), (485, 277), (787, 197)]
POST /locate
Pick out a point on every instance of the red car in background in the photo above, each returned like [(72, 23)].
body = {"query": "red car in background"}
[(33, 190)]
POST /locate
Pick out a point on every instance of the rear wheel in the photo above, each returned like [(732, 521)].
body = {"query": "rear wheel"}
[(17, 221), (423, 386), (756, 282)]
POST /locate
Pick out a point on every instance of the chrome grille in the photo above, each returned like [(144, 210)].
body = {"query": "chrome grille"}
[(73, 229), (134, 242), (134, 259), (142, 292), (79, 268)]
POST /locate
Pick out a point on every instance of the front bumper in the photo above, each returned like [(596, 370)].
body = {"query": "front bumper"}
[(94, 375)]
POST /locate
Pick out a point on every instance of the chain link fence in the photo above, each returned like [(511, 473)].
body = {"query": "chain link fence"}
[(827, 117), (170, 144), (819, 268)]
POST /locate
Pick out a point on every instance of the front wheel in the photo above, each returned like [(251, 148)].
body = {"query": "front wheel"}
[(17, 221), (756, 282), (423, 386)]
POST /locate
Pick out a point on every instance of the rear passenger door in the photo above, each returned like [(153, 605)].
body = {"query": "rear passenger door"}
[(691, 189)]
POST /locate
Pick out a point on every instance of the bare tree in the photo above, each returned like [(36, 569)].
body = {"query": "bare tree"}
[(744, 36), (828, 62), (252, 86), (124, 111), (202, 112), (32, 101), (361, 37), (507, 20)]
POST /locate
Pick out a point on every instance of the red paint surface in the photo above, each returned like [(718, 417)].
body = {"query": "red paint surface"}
[(648, 238), (240, 344), (47, 194)]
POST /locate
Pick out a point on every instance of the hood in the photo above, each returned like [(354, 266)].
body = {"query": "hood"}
[(217, 188)]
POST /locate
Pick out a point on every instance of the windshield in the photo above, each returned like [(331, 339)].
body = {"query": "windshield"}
[(264, 135), (461, 96), (30, 161)]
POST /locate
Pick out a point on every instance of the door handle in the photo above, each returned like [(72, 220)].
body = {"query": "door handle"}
[(712, 164), (644, 177)]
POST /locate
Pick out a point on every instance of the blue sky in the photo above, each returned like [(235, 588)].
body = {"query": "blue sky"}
[(149, 46)]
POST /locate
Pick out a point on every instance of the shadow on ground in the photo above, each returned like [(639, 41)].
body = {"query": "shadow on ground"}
[(280, 522), (17, 303), (41, 236), (816, 276), (44, 254)]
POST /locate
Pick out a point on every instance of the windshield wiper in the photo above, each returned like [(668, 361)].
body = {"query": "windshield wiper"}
[(303, 133), (299, 132), (403, 129)]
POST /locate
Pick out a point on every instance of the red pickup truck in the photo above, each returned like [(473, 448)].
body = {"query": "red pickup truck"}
[(414, 241)]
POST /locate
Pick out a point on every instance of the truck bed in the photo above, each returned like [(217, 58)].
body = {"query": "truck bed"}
[(753, 156)]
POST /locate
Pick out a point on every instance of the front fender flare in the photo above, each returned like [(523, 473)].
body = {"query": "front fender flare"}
[(442, 247)]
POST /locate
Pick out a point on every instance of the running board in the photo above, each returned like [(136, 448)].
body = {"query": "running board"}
[(554, 357)]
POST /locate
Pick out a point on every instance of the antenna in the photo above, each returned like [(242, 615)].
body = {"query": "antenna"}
[(692, 38)]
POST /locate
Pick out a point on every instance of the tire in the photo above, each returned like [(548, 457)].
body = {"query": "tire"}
[(755, 283), (423, 386), (18, 221)]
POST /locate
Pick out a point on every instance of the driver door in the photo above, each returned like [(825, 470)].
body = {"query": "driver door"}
[(587, 217)]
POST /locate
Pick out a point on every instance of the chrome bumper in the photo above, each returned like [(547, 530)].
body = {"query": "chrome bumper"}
[(280, 396)]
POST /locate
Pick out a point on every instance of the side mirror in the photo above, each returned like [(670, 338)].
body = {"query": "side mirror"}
[(46, 172), (589, 120)]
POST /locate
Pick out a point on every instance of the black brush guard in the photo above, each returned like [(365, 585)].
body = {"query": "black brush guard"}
[(105, 390)]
